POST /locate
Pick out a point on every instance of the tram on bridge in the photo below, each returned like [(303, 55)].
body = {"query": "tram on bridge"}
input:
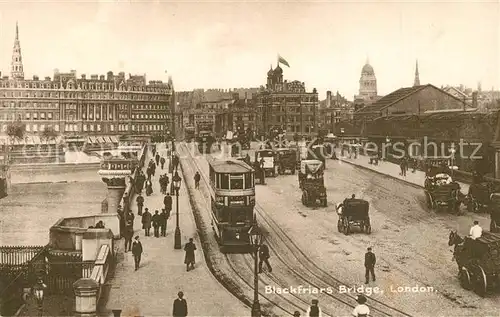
[(233, 184), (205, 138)]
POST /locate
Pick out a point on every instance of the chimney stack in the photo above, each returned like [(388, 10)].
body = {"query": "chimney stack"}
[(474, 99), (328, 98)]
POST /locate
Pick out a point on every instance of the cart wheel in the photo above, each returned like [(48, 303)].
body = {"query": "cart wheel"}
[(465, 278), (493, 226), (368, 229), (480, 281), (339, 225)]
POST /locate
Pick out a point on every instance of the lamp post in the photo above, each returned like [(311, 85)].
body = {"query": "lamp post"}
[(176, 182), (342, 141), (452, 151), (387, 141), (256, 239), (38, 292)]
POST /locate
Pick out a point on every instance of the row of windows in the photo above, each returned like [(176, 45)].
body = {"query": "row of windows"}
[(296, 128), (150, 116), (278, 99), (240, 118), (233, 181), (89, 127), (294, 118), (24, 104), (206, 117), (82, 95), (36, 115)]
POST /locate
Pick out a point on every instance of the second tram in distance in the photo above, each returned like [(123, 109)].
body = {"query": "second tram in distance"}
[(233, 184)]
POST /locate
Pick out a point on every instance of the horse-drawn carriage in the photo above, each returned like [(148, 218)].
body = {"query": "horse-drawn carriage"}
[(287, 160), (440, 189), (479, 196), (354, 213), (478, 261), (311, 182)]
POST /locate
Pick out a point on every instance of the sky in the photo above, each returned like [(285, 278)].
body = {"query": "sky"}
[(230, 44)]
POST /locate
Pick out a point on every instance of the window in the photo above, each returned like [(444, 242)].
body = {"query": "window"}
[(42, 116), (27, 116), (35, 128), (112, 128), (224, 182), (56, 127), (237, 181), (248, 180), (98, 127), (49, 115), (42, 127), (35, 116), (84, 128), (91, 127), (28, 128)]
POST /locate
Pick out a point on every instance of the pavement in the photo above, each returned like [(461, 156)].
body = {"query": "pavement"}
[(151, 290), (392, 170)]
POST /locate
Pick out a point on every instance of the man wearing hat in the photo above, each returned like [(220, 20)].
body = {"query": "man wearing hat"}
[(370, 261), (137, 252), (314, 310), (180, 306), (361, 310)]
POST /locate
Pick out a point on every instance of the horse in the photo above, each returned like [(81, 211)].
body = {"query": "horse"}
[(454, 239)]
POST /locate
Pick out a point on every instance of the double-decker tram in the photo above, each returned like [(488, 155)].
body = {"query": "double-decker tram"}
[(233, 184)]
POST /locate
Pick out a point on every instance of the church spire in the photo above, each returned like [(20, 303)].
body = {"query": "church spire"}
[(417, 77), (17, 71)]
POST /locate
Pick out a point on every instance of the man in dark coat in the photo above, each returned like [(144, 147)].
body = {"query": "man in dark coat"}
[(197, 179), (314, 310), (180, 306), (370, 261), (163, 223), (137, 252), (264, 258), (149, 171), (128, 235), (140, 204), (146, 222), (162, 162), (156, 223), (157, 158), (190, 247), (167, 202)]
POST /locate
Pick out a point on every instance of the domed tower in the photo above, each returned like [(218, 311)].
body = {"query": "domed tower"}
[(278, 75), (270, 75), (368, 82)]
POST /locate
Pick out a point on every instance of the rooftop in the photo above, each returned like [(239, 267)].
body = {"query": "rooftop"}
[(230, 166)]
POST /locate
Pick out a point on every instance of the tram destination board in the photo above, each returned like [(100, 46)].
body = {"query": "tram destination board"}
[(237, 201)]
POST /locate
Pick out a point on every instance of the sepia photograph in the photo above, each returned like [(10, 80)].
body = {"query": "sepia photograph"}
[(249, 158)]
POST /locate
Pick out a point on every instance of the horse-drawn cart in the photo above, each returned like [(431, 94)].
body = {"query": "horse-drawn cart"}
[(354, 213), (440, 189), (478, 261)]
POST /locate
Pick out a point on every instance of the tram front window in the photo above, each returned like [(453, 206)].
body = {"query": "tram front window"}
[(237, 182), (224, 184)]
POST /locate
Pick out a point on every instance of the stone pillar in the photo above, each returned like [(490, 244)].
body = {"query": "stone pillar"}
[(85, 297), (116, 188)]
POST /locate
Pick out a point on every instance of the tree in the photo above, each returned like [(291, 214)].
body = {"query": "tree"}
[(16, 129), (49, 133)]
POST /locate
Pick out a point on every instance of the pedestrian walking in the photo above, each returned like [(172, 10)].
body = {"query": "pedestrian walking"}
[(137, 252), (128, 235), (149, 187), (189, 260), (163, 223), (130, 220), (146, 222), (162, 162), (157, 158), (361, 310), (180, 306), (167, 202), (197, 179), (264, 258), (156, 223), (370, 261), (140, 204), (314, 310)]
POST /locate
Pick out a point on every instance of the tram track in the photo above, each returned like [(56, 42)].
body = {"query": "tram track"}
[(310, 273)]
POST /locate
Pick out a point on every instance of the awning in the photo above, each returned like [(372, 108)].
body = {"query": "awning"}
[(101, 140), (92, 140), (36, 140), (114, 139)]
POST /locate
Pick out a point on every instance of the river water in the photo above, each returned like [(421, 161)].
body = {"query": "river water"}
[(29, 211)]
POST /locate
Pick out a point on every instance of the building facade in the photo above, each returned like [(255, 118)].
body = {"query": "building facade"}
[(287, 105), (240, 115), (334, 109), (99, 105)]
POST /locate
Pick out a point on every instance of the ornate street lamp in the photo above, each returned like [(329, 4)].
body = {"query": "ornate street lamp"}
[(38, 292), (256, 239), (176, 182)]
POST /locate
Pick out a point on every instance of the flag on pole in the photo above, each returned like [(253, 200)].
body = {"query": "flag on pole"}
[(282, 61)]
